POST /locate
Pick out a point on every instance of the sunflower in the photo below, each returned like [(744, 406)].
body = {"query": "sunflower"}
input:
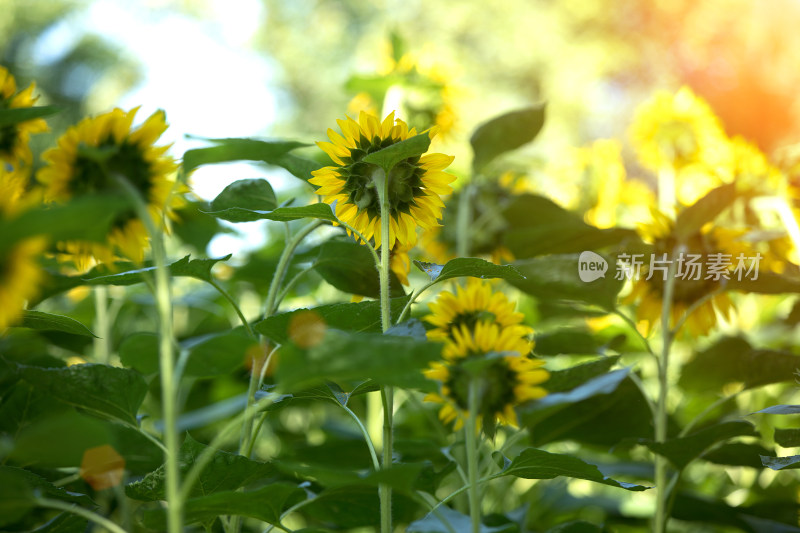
[(14, 137), (601, 169), (475, 303), (400, 262), (675, 131), (693, 284), (129, 153), (414, 185), (20, 274), (479, 327)]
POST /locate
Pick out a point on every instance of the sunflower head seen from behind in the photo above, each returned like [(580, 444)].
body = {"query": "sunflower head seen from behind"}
[(709, 259), (74, 168), (414, 185), (484, 343), (14, 137)]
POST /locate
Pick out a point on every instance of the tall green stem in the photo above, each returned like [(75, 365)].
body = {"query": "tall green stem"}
[(246, 437), (102, 325), (662, 494), (470, 430), (80, 511), (463, 220), (169, 387), (381, 177), (269, 309)]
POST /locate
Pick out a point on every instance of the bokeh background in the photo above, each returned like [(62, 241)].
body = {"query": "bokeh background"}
[(238, 68)]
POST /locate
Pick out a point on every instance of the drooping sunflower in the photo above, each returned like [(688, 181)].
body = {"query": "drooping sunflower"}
[(415, 185), (480, 326), (72, 171), (14, 137), (694, 285), (677, 130), (20, 273)]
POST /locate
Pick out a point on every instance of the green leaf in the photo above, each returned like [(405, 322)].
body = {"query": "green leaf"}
[(539, 226), (576, 526), (64, 523), (265, 504), (140, 352), (76, 432), (614, 414), (219, 354), (400, 477), (733, 360), (788, 438), (780, 410), (356, 506), (192, 268), (9, 117), (738, 454), (104, 391), (16, 496), (555, 277), (767, 283), (706, 209), (790, 462), (602, 384), (683, 450), (690, 507), (47, 322), (67, 221), (44, 488), (341, 356), (469, 266), (361, 316), (196, 228), (225, 472), (336, 393), (388, 157), (269, 152), (349, 267), (504, 133), (572, 377), (409, 328), (577, 340), (252, 194), (533, 463), (320, 210), (299, 167), (438, 521)]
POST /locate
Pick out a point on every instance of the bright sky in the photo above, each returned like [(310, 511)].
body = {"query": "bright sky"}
[(200, 72)]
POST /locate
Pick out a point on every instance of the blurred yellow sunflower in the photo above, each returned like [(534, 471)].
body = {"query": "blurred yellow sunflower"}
[(478, 326), (601, 169), (415, 185), (14, 137), (752, 171), (400, 262), (129, 153), (709, 260), (20, 273), (676, 130)]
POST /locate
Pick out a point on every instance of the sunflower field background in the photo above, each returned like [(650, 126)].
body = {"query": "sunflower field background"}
[(435, 267)]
